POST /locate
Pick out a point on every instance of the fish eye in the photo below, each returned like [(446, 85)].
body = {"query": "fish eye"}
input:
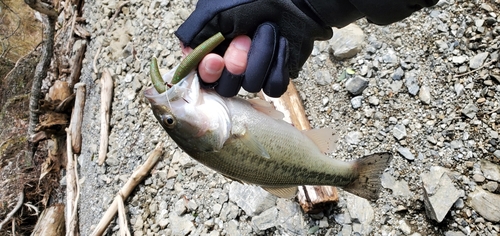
[(168, 120)]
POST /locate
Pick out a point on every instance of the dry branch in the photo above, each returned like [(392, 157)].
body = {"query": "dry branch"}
[(50, 222), (9, 216), (77, 118), (125, 191), (77, 64), (72, 189), (106, 96), (122, 217), (312, 199)]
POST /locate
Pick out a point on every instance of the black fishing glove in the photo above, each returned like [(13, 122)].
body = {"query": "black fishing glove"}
[(282, 32)]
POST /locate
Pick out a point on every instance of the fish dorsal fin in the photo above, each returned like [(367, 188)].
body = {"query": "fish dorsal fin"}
[(266, 108), (250, 141), (282, 192), (325, 138)]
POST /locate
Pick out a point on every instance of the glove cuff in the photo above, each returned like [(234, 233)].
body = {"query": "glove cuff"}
[(335, 13)]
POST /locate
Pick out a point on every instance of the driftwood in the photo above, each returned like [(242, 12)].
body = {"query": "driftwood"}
[(77, 118), (106, 96), (72, 189), (312, 199), (125, 191), (51, 222), (122, 216), (76, 68)]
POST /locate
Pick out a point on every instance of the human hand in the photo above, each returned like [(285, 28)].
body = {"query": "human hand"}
[(282, 39)]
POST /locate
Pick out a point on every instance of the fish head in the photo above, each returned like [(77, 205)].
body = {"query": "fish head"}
[(195, 118)]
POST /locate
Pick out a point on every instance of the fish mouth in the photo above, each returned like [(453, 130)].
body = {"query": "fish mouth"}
[(154, 97)]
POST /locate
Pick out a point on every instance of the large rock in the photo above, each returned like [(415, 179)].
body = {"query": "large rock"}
[(252, 199), (486, 204), (490, 170), (439, 193)]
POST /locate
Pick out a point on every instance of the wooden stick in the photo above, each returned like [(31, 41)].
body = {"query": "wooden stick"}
[(472, 71), (19, 203), (122, 217), (71, 188), (125, 191), (312, 199), (50, 222), (77, 118), (76, 68), (106, 96)]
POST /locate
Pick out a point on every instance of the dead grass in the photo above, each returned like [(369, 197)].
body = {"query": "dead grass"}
[(20, 32)]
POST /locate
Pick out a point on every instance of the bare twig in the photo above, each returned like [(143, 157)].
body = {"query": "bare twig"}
[(122, 217), (71, 188), (20, 201), (77, 65), (125, 191), (42, 7), (472, 71), (106, 96)]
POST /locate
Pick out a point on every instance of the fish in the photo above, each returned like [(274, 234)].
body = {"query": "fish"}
[(246, 140)]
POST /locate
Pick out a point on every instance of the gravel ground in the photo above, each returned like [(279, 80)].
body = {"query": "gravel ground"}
[(426, 88)]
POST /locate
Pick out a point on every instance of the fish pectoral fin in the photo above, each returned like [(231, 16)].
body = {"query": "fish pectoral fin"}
[(325, 139), (282, 192), (250, 141), (266, 108)]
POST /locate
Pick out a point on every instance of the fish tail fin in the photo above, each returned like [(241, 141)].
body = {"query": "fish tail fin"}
[(370, 169)]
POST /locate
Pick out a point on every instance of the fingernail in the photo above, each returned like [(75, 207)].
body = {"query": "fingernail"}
[(242, 45), (212, 68)]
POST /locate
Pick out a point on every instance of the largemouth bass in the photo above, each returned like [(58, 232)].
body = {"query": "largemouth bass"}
[(246, 140)]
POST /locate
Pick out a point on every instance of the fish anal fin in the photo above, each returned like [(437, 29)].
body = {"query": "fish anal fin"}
[(241, 133), (266, 108), (325, 138), (370, 169), (288, 193)]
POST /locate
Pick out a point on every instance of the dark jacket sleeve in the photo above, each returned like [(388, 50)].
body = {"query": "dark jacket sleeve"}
[(339, 13)]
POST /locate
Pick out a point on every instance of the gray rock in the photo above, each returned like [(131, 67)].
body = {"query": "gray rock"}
[(360, 211), (356, 85), (491, 186), (399, 131), (181, 225), (398, 187), (347, 41), (180, 207), (252, 199), (406, 153), (353, 137), (356, 102), (398, 74), (323, 77), (470, 110), (490, 170), (425, 94), (459, 89), (497, 153), (478, 60), (396, 86), (478, 178), (486, 204), (373, 100), (290, 217), (439, 193), (454, 233), (232, 228), (458, 59), (411, 83), (404, 227), (390, 57), (266, 219)]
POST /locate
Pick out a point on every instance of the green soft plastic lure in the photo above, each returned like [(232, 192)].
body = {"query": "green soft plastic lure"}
[(187, 65)]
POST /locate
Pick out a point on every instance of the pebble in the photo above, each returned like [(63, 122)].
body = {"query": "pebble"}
[(459, 59), (398, 74), (399, 131), (425, 94), (406, 153), (347, 41), (356, 102), (478, 60), (353, 137), (360, 211), (356, 85), (404, 227), (470, 110), (440, 193), (411, 83), (490, 170)]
